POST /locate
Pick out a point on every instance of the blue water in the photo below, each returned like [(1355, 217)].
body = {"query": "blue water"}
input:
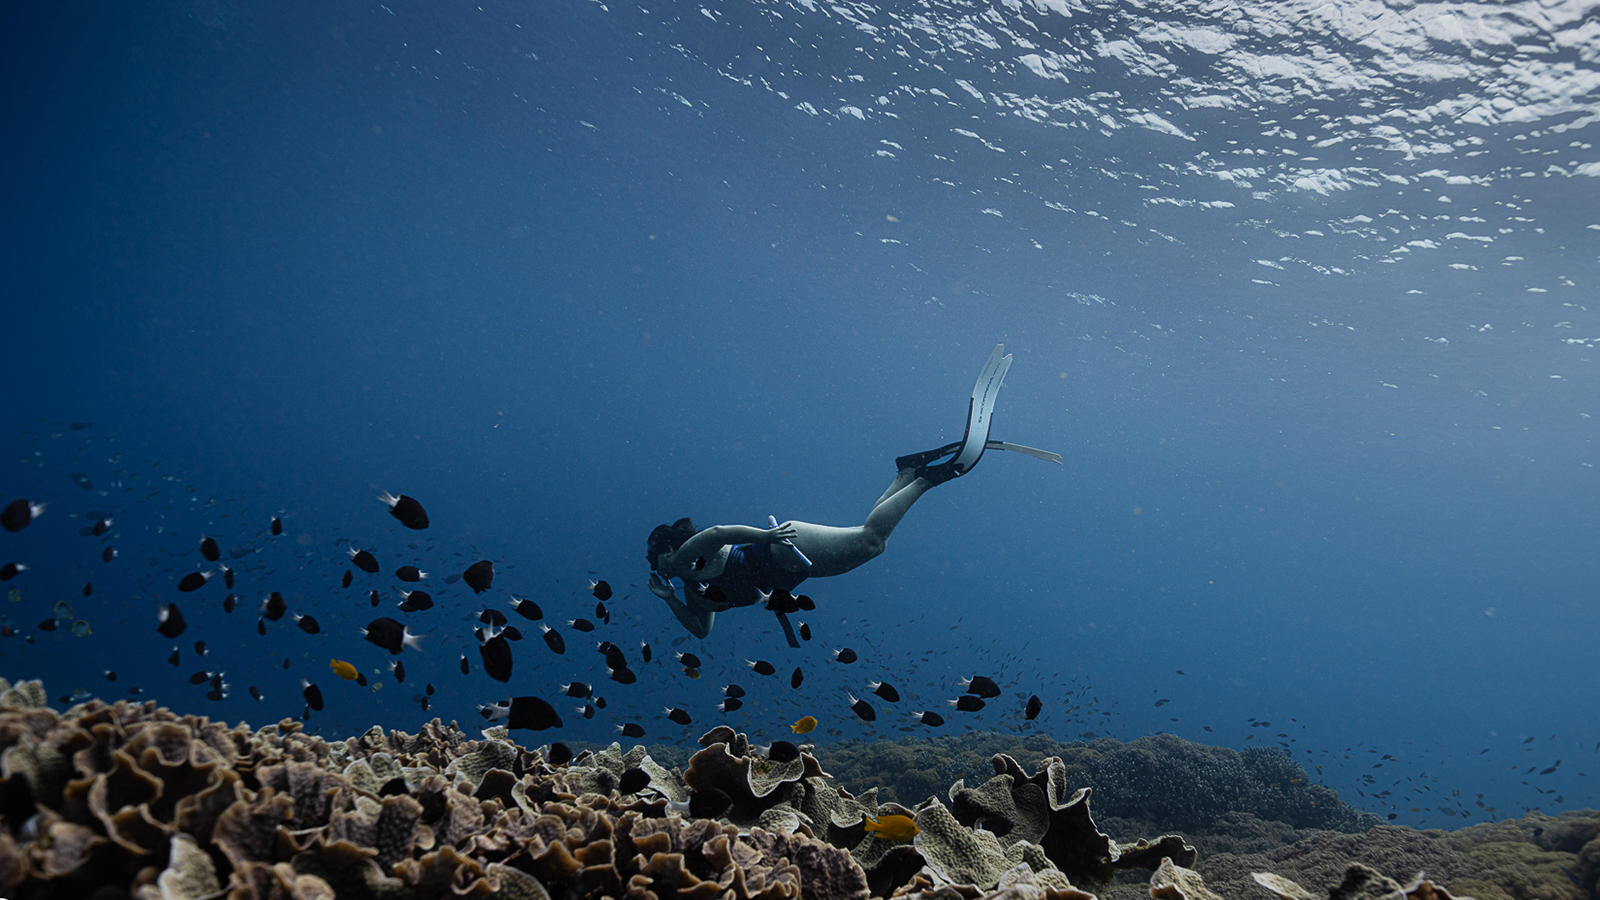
[(1302, 294)]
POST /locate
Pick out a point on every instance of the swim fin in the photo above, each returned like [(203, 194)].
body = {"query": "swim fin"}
[(980, 415)]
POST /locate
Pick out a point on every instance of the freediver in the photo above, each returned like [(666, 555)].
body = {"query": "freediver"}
[(728, 566)]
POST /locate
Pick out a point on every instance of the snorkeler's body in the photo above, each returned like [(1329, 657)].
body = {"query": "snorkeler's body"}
[(746, 563)]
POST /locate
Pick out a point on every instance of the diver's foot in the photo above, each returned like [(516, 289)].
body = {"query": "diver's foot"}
[(918, 460), (937, 475)]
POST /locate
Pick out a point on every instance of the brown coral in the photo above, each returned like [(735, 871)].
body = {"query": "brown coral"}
[(132, 799)]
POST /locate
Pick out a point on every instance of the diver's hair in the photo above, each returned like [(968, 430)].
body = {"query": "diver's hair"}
[(668, 538)]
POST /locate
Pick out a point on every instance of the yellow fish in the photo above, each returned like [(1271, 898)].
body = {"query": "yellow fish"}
[(343, 669), (899, 829), (804, 726)]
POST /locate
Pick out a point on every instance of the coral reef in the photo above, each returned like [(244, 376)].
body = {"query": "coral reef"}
[(1156, 783), (133, 800)]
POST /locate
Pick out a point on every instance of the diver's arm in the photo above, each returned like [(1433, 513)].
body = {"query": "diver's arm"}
[(709, 541), (697, 621)]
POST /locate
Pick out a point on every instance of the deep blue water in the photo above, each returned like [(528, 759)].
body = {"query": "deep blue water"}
[(1305, 309)]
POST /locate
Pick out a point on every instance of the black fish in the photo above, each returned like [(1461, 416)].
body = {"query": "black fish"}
[(390, 635), (688, 660), (796, 678), (782, 752), (496, 654), (983, 687), (805, 603), (364, 560), (781, 601), (588, 710), (398, 668), (931, 718), (644, 650), (18, 514), (731, 704), (200, 649), (412, 601), (805, 632), (408, 511), (170, 620), (552, 639), (527, 609), (200, 677), (111, 674), (846, 656), (512, 633), (275, 607), (255, 693), (216, 694), (633, 781), (1031, 711), (361, 679), (601, 613), (580, 625), (601, 590), (286, 663), (560, 755), (577, 689), (677, 715), (479, 576), (171, 660), (88, 589), (761, 666), (709, 803), (230, 603), (862, 709), (261, 627), (615, 658), (375, 597), (312, 694), (348, 579), (492, 617), (308, 624), (967, 703), (631, 730), (623, 675), (733, 690), (277, 525), (429, 689), (227, 578), (48, 624), (11, 570), (101, 526), (108, 554), (209, 549), (600, 702), (193, 581), (885, 690), (410, 574), (466, 669)]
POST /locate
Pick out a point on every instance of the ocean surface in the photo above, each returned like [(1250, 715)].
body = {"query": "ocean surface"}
[(1303, 293)]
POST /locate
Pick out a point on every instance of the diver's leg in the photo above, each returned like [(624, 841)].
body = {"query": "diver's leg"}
[(834, 551), (902, 478)]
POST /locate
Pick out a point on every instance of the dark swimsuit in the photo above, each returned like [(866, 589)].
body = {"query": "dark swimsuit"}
[(750, 570)]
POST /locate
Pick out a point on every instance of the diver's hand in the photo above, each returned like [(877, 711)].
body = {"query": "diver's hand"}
[(661, 588), (780, 533)]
